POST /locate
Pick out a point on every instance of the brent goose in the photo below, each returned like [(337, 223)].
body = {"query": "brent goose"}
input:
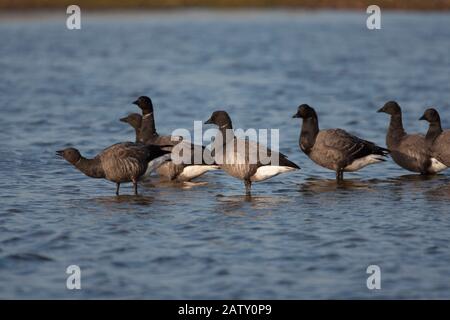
[(121, 162), (235, 155), (409, 151), (437, 140), (147, 134), (335, 149)]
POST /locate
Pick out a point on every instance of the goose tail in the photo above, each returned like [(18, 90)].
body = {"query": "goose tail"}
[(287, 163), (155, 151), (381, 151)]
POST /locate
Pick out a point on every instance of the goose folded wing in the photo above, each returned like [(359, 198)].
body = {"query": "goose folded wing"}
[(351, 147), (134, 152), (413, 147), (261, 155), (124, 160), (168, 141), (441, 147)]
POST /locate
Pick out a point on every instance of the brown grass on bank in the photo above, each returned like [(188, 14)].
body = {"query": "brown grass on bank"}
[(158, 4)]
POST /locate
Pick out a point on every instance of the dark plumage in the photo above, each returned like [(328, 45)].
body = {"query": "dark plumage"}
[(409, 151), (145, 104), (242, 158), (335, 149), (148, 134), (184, 171), (121, 162), (437, 140), (134, 120)]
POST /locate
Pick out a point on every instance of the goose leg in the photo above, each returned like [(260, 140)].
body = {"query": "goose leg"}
[(135, 187), (117, 188), (248, 186), (339, 175)]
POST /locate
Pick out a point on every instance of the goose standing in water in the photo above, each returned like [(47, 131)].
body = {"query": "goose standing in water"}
[(437, 140), (146, 133), (335, 149), (409, 151), (242, 158), (119, 163)]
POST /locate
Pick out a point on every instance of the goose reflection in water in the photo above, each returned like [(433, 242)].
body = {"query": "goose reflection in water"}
[(125, 199), (155, 182), (440, 193), (239, 204), (412, 185), (316, 185), (415, 178)]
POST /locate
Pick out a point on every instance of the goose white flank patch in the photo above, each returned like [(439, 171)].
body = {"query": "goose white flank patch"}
[(194, 171), (335, 149), (363, 162), (241, 158), (267, 172), (437, 166)]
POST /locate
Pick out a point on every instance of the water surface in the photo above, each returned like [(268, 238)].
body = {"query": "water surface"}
[(299, 236)]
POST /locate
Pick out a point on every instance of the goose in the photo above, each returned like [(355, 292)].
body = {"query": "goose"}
[(182, 172), (335, 149), (242, 158), (437, 140), (119, 163), (409, 151)]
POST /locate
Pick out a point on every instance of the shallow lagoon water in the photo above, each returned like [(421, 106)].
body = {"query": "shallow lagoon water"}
[(299, 236)]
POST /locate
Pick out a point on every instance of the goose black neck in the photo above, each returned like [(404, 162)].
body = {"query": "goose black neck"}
[(226, 130), (308, 134), (138, 135), (396, 130), (148, 129), (434, 131), (146, 111), (91, 167)]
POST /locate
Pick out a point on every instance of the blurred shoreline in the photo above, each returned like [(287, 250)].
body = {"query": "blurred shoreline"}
[(33, 5)]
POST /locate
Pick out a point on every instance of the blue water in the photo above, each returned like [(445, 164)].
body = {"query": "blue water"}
[(299, 236)]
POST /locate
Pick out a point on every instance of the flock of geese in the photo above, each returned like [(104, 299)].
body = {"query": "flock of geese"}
[(334, 149)]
